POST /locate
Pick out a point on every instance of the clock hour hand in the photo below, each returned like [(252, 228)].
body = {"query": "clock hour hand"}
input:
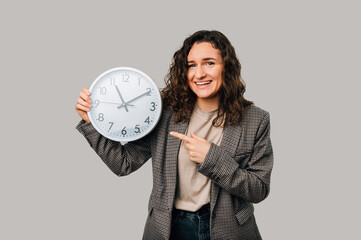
[(121, 98), (141, 95)]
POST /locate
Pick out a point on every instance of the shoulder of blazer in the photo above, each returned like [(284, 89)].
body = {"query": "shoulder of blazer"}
[(253, 109), (254, 114), (167, 113), (166, 117)]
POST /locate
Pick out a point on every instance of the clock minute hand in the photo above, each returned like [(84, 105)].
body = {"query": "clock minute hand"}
[(141, 95), (121, 98), (115, 103)]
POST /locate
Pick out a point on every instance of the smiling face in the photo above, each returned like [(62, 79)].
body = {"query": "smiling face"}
[(205, 74)]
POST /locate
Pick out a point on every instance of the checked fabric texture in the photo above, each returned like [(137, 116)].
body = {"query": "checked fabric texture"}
[(240, 170)]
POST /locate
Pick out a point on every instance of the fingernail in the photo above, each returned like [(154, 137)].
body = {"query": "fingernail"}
[(89, 100), (171, 133)]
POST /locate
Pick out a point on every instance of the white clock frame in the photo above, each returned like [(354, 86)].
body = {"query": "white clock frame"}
[(133, 107)]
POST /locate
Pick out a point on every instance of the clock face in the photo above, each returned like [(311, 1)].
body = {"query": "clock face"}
[(126, 104)]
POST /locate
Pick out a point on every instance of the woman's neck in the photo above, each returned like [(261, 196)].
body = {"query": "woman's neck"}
[(208, 105)]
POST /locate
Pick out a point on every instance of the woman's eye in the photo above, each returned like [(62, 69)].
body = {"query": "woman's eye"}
[(210, 63), (191, 65)]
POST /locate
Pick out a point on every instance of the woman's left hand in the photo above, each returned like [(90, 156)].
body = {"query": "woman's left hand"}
[(197, 147)]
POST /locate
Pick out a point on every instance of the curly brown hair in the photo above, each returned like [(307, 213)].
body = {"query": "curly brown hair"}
[(178, 96)]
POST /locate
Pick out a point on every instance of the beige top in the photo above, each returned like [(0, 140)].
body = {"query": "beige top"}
[(193, 188)]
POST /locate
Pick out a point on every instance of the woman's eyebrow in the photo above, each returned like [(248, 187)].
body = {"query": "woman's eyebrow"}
[(210, 58), (204, 59)]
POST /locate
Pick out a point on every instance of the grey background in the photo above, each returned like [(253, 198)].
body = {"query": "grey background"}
[(301, 62)]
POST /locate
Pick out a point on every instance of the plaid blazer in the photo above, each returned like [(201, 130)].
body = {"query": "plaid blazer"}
[(240, 170)]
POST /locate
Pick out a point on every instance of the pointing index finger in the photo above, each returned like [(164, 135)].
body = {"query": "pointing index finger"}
[(180, 136)]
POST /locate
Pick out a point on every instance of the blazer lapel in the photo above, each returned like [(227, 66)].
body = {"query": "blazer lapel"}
[(173, 145), (230, 140)]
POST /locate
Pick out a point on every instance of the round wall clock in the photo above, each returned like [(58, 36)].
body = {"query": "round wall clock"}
[(126, 104)]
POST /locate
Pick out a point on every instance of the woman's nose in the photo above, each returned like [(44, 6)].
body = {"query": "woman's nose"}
[(200, 73)]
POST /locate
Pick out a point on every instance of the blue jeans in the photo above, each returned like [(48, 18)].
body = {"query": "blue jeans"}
[(191, 225)]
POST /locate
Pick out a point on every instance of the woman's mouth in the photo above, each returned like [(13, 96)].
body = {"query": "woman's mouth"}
[(203, 83)]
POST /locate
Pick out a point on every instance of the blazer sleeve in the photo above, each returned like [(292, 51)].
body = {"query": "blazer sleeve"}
[(121, 159), (252, 182)]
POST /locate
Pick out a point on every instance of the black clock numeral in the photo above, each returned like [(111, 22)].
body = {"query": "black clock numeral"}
[(153, 106), (100, 117), (103, 90), (96, 103), (111, 125), (149, 91), (137, 129), (112, 81), (147, 120), (124, 132), (125, 77)]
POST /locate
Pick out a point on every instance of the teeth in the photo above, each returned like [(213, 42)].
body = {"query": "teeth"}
[(202, 83)]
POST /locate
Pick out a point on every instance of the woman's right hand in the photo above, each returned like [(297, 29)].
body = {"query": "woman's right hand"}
[(83, 104)]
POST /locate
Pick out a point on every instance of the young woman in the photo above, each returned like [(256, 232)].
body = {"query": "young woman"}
[(211, 151)]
